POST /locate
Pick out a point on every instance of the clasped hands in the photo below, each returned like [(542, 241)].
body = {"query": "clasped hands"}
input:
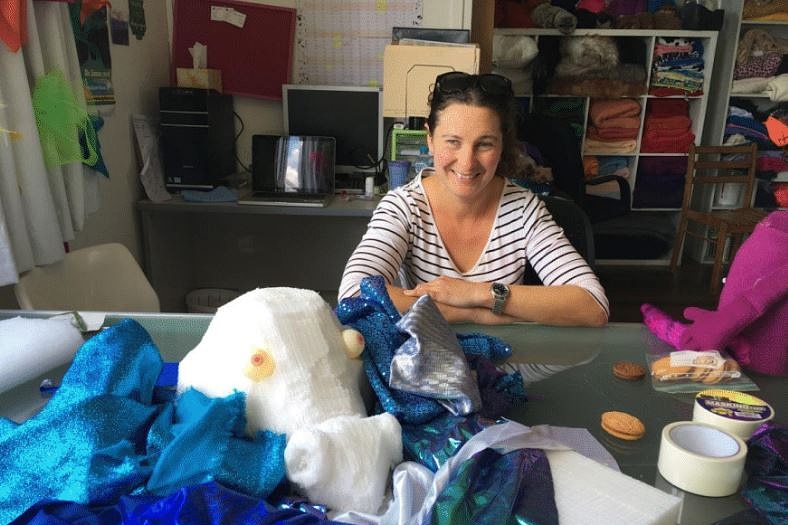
[(460, 301)]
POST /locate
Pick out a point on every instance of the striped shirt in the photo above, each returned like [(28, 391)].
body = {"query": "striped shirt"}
[(402, 242)]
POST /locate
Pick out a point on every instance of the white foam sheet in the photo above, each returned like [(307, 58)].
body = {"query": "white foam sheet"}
[(589, 493), (31, 347)]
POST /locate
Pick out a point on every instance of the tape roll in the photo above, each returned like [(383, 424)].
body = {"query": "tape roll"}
[(734, 412), (701, 458)]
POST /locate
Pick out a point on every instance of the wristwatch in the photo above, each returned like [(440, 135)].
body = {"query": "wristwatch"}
[(500, 293)]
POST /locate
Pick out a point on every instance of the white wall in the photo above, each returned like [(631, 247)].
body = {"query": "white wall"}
[(137, 72), (265, 116)]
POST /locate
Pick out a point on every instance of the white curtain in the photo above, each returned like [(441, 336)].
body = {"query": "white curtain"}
[(40, 207)]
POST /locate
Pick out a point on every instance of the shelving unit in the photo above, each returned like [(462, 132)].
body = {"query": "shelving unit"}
[(723, 98), (641, 45), (410, 145)]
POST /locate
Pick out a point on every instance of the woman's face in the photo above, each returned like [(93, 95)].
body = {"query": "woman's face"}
[(466, 145)]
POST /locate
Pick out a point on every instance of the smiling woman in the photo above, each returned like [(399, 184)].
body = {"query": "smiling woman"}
[(463, 233)]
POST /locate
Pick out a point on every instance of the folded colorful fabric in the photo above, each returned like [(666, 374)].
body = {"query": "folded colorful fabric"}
[(662, 142), (679, 122), (777, 88), (667, 107), (601, 147), (602, 110), (762, 9), (612, 133)]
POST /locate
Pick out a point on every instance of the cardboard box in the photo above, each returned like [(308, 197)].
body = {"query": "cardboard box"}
[(409, 73), (199, 78)]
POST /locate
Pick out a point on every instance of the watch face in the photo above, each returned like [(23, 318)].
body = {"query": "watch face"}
[(500, 290)]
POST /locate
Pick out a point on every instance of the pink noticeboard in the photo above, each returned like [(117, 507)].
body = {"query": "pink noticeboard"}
[(255, 60)]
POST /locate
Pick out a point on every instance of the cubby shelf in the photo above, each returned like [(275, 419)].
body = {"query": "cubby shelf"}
[(639, 44)]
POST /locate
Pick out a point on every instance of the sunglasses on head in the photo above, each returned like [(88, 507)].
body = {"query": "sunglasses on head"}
[(457, 81)]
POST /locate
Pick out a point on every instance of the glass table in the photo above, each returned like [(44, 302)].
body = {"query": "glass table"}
[(574, 397)]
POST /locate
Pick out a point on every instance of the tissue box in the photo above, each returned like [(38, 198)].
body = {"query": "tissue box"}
[(199, 78)]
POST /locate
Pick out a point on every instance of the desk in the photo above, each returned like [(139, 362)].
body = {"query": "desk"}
[(191, 245), (574, 398)]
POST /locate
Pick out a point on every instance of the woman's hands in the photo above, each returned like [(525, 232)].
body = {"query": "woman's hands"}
[(460, 301), (471, 302), (454, 292)]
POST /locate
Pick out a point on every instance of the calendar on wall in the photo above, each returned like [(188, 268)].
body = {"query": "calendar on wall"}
[(342, 42)]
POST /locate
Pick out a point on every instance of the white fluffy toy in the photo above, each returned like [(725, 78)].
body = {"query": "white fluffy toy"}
[(285, 349)]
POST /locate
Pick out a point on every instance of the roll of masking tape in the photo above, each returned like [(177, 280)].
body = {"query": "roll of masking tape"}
[(701, 458), (734, 412)]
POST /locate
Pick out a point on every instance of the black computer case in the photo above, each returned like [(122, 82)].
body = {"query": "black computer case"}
[(197, 137)]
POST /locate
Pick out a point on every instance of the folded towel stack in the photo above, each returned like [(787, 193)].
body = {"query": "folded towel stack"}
[(614, 125), (668, 127)]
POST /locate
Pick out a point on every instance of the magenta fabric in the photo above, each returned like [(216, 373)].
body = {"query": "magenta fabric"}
[(751, 319), (759, 275)]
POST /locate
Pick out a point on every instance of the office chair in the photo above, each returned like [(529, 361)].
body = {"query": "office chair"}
[(711, 166), (105, 277), (577, 229)]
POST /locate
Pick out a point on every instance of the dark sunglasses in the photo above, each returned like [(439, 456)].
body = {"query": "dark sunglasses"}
[(457, 81)]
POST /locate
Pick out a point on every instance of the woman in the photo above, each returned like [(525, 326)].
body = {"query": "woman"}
[(462, 233)]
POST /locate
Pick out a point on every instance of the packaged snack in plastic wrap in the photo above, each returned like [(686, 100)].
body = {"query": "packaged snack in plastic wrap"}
[(693, 371)]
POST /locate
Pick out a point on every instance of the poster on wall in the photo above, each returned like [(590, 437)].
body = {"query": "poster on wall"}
[(89, 21), (342, 42)]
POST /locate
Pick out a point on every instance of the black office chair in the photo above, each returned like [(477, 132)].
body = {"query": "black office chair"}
[(576, 226)]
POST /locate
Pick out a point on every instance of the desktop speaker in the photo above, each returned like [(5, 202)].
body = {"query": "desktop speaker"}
[(196, 136)]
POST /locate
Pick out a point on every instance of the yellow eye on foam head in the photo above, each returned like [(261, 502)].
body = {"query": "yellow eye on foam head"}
[(261, 365)]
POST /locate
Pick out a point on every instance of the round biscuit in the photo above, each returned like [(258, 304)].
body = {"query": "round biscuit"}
[(698, 373), (662, 370), (622, 425), (628, 370), (714, 376), (627, 437)]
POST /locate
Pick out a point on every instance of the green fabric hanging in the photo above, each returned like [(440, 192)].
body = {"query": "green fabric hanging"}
[(59, 120)]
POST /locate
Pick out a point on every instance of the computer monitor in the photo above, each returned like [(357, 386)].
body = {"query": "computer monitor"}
[(353, 115)]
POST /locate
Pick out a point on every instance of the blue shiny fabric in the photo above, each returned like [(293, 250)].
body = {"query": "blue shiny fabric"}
[(374, 315), (101, 435), (205, 504)]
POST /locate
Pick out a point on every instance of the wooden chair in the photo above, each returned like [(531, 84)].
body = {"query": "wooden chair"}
[(711, 166)]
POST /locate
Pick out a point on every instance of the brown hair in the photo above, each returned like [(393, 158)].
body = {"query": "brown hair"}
[(504, 105)]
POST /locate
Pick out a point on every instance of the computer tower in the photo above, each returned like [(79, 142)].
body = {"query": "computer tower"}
[(197, 137)]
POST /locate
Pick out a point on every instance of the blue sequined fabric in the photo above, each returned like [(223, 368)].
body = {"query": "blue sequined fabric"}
[(102, 435), (375, 316)]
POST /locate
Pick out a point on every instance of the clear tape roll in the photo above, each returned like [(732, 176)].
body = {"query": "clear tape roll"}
[(734, 412), (701, 458)]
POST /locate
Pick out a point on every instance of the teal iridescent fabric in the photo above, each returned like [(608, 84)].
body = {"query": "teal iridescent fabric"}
[(499, 489)]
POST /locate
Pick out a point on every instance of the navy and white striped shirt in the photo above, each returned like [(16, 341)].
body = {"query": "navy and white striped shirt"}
[(402, 240)]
